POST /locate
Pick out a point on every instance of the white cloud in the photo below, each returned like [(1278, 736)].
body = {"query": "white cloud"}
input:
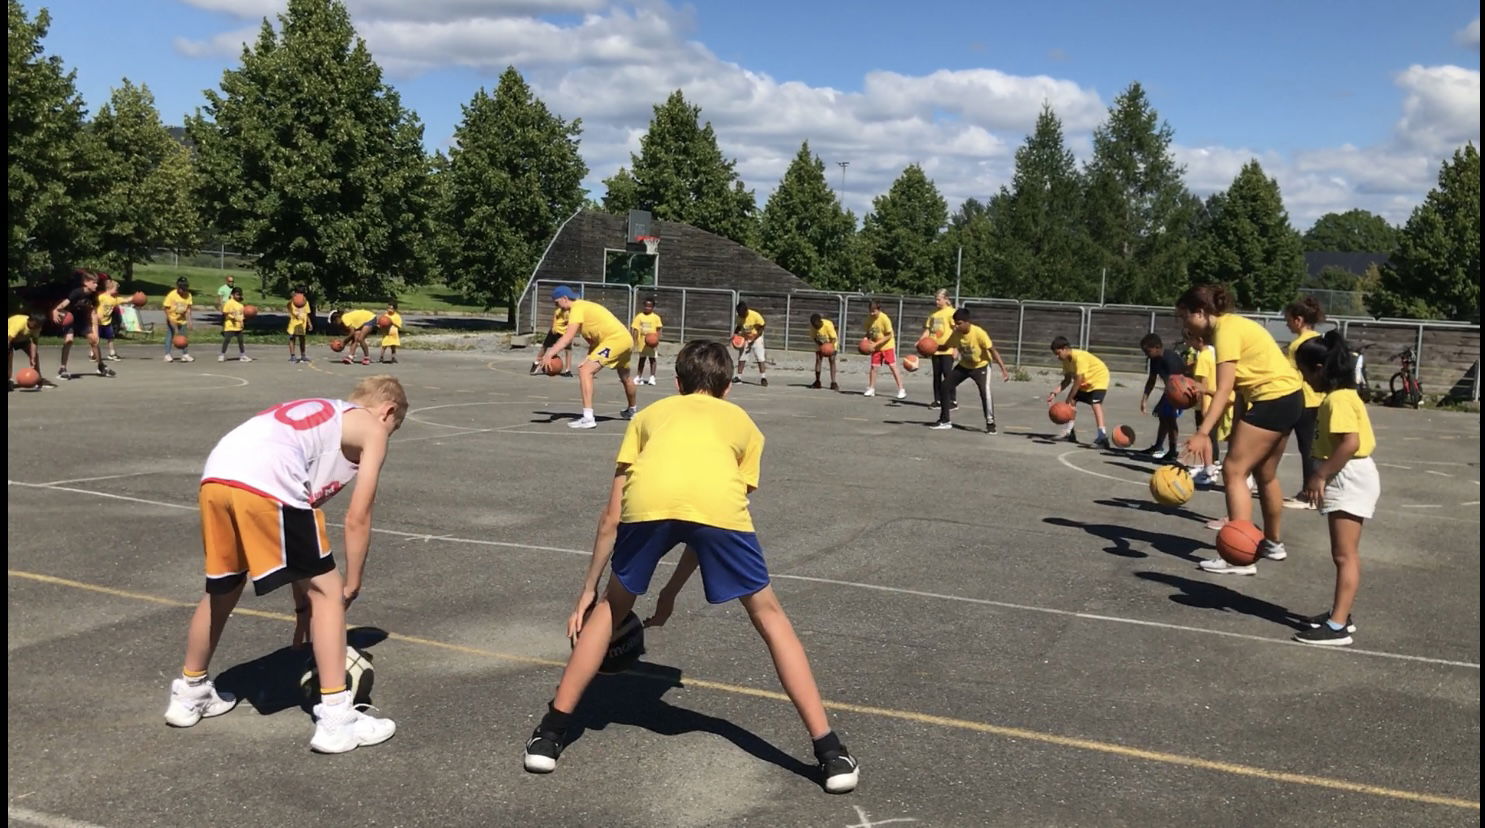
[(1441, 109), (1469, 36), (225, 44)]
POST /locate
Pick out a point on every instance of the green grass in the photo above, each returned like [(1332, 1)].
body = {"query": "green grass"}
[(159, 278)]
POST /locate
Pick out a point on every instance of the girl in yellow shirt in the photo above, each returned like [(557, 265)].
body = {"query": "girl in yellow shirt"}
[(1301, 317), (393, 337), (1249, 361), (232, 324)]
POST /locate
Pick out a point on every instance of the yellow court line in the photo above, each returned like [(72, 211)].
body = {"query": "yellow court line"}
[(867, 710)]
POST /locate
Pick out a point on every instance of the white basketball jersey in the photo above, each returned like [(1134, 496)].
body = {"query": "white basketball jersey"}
[(290, 452)]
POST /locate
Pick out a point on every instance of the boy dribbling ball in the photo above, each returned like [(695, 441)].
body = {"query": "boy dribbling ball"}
[(260, 519), (1164, 364), (822, 330), (683, 475), (392, 339), (1088, 377), (22, 333)]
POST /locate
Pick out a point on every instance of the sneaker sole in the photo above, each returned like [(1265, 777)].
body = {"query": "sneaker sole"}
[(843, 783), (1334, 642), (182, 721), (539, 764), (1232, 570), (334, 749)]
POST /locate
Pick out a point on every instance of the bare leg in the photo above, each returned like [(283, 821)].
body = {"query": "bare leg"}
[(327, 627), (585, 373), (1270, 491), (832, 369), (206, 626), (1345, 550), (592, 645), (1245, 453), (1098, 415), (789, 660), (896, 377), (628, 383)]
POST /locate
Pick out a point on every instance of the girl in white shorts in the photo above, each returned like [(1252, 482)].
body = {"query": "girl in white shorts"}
[(1345, 484)]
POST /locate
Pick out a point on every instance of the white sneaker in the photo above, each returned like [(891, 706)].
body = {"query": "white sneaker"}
[(902, 393), (187, 358), (169, 358), (1158, 454), (1217, 566), (1272, 551), (190, 704), (244, 358), (344, 727), (584, 422), (941, 426), (1252, 485), (650, 381), (221, 357), (1200, 477), (870, 392)]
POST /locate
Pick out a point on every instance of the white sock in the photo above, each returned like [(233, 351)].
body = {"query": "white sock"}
[(587, 413), (336, 699), (194, 681)]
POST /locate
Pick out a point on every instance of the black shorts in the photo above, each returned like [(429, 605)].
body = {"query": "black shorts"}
[(1091, 397), (22, 344), (105, 331), (552, 337), (1280, 415), (81, 325)]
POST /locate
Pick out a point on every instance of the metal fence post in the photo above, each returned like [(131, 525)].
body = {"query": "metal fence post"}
[(1418, 351), (900, 328), (845, 313), (683, 315), (1020, 330), (788, 305), (1152, 322)]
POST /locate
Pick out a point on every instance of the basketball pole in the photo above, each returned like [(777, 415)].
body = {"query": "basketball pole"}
[(958, 274)]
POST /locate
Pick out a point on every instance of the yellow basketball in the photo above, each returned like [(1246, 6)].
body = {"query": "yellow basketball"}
[(1171, 485)]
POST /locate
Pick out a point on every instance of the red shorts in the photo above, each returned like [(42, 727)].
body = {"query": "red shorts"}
[(886, 356)]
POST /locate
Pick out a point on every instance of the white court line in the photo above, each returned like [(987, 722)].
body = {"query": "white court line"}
[(240, 380), (425, 536), (1396, 466), (464, 433), (1439, 473), (30, 817), (93, 479), (1422, 506), (1470, 503)]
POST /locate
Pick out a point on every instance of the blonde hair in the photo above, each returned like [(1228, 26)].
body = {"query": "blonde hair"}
[(941, 293), (381, 388)]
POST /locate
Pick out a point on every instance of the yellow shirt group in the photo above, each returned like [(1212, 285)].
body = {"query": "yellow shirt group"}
[(1342, 412), (824, 333), (231, 316), (597, 322), (298, 319), (691, 457), (1262, 371), (974, 347), (1095, 374), (354, 319), (879, 326), (751, 323), (1312, 397), (16, 327), (177, 307), (940, 326)]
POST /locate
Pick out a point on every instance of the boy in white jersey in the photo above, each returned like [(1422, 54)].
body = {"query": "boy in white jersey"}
[(260, 518)]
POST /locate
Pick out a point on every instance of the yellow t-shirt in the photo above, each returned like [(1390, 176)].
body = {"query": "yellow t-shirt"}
[(106, 304), (751, 324), (974, 347), (691, 457), (879, 326), (177, 306), (598, 323), (1342, 412), (1205, 368), (231, 316), (298, 319), (16, 327), (393, 335), (940, 326), (644, 323), (352, 320), (1095, 373), (1262, 371), (559, 321), (824, 333), (1312, 397)]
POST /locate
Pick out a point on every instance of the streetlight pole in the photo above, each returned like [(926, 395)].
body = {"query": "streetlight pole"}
[(843, 165)]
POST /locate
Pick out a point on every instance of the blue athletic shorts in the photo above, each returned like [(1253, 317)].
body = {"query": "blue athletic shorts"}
[(1165, 409), (731, 561)]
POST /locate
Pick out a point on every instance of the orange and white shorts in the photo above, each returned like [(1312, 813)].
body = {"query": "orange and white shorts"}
[(249, 534)]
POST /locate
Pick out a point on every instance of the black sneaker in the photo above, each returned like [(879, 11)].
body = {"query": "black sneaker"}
[(1101, 441), (954, 406), (990, 428), (567, 374), (834, 386), (542, 750), (105, 371), (763, 382), (839, 770), (736, 380), (1324, 636), (63, 375), (815, 384), (1315, 622), (534, 369), (1070, 437)]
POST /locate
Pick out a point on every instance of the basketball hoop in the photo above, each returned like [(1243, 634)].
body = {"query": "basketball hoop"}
[(651, 243)]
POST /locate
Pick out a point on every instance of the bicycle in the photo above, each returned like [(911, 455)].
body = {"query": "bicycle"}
[(1404, 385)]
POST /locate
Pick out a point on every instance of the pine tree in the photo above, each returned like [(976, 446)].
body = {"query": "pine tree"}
[(902, 237), (513, 175), (310, 160), (1248, 243), (1435, 271), (1354, 231), (804, 229)]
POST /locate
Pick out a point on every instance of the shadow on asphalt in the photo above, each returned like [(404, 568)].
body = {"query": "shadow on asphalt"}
[(1205, 594), (1123, 538), (270, 683)]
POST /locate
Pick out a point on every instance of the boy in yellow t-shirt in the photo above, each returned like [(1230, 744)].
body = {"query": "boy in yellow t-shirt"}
[(359, 324), (975, 352), (645, 323), (301, 322), (609, 346), (232, 324), (749, 326), (940, 326), (559, 327), (108, 303), (884, 350), (22, 332), (177, 305), (683, 476), (822, 330), (393, 337), (1203, 367), (1088, 378)]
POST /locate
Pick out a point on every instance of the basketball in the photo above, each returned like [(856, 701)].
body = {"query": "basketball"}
[(299, 300), (249, 311), (336, 345), (1171, 485), (359, 676), (1238, 542), (827, 349), (625, 646), (66, 319), (553, 366), (910, 362), (139, 299), (1062, 413), (866, 346), (652, 339), (1182, 391), (384, 321), (1123, 436), (27, 378), (928, 346), (180, 341), (738, 342)]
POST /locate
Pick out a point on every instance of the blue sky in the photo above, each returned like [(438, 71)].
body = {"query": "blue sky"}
[(1346, 104)]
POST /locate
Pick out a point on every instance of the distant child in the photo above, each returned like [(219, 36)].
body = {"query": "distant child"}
[(559, 327), (23, 331), (1301, 317), (1203, 368), (232, 324), (975, 352), (645, 322), (609, 346), (260, 501), (884, 350), (359, 324), (823, 331), (301, 322), (178, 318), (1164, 363), (1088, 379), (393, 337), (940, 326), (1344, 485), (82, 303), (750, 327), (108, 303), (683, 475)]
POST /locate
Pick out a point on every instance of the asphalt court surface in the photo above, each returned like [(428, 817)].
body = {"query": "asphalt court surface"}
[(1008, 631)]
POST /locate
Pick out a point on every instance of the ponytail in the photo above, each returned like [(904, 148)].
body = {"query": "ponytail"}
[(1332, 356), (1212, 300)]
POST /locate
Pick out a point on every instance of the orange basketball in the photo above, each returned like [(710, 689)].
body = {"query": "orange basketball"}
[(738, 342), (652, 339), (139, 299), (928, 346), (27, 378), (866, 346), (827, 349), (1238, 542), (553, 366), (249, 311), (66, 319), (1123, 436), (384, 321), (1182, 391), (180, 341), (299, 300), (336, 345), (1062, 413), (910, 362)]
